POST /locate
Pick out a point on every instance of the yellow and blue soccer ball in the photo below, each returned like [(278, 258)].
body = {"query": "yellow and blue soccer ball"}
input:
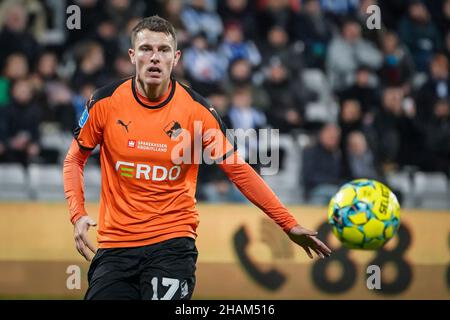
[(364, 214)]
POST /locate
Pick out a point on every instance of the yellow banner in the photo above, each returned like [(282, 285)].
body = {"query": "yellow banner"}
[(242, 254)]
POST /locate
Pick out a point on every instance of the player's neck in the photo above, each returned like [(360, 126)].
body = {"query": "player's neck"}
[(153, 93)]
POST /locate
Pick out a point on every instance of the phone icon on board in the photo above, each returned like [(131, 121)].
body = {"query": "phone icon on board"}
[(271, 279)]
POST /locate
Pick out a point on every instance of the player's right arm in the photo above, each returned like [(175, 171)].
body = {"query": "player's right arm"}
[(74, 163), (88, 135)]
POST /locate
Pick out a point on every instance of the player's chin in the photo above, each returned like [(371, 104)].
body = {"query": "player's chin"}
[(153, 81)]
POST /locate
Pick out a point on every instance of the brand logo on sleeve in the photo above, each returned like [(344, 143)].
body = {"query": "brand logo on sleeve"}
[(84, 117)]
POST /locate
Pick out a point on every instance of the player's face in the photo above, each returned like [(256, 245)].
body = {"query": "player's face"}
[(154, 56)]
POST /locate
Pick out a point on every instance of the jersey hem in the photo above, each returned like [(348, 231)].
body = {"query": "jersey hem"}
[(140, 243)]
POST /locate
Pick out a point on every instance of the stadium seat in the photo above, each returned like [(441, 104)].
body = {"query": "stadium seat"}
[(13, 182), (285, 182), (46, 182), (325, 109), (432, 190), (54, 139), (92, 182), (401, 182), (315, 80)]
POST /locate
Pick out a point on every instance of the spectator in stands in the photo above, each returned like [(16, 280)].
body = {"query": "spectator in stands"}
[(21, 124), (386, 126), (234, 46), (350, 119), (322, 166), (119, 12), (123, 35), (391, 10), (420, 34), (80, 98), (447, 45), (364, 90), (214, 186), (199, 20), (45, 73), (360, 162), (444, 18), (436, 87), (274, 13), (398, 66), (52, 93), (15, 67), (278, 47), (219, 99), (3, 134), (400, 136), (14, 36), (240, 74), (243, 115), (347, 52), (123, 67), (205, 67), (438, 138), (59, 108), (47, 66), (288, 97), (91, 66), (232, 11), (106, 36), (335, 10), (4, 92), (172, 12), (315, 31)]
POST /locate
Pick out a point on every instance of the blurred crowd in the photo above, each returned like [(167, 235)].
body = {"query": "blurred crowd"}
[(372, 101)]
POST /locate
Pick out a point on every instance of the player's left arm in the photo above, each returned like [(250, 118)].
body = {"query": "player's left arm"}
[(218, 146), (259, 193)]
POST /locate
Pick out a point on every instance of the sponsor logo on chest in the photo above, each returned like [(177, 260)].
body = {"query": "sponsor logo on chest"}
[(141, 171)]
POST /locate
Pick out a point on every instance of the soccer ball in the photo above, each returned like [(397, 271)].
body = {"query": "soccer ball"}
[(364, 214)]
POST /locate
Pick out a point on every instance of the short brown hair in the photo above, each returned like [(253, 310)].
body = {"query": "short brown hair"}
[(157, 24)]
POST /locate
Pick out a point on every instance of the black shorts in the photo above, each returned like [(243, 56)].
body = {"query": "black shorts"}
[(161, 271)]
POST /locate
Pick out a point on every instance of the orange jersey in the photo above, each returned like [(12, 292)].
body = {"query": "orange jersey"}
[(148, 187)]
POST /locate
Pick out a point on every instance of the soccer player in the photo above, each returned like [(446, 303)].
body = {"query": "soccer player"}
[(148, 220)]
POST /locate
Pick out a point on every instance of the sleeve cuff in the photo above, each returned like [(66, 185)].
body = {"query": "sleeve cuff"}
[(77, 216)]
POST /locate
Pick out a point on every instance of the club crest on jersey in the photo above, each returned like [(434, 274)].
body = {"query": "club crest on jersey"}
[(173, 129), (84, 117)]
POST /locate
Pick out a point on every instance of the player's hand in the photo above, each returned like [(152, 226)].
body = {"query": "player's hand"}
[(308, 241), (80, 233)]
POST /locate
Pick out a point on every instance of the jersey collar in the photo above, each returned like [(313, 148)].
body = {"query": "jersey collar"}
[(162, 104)]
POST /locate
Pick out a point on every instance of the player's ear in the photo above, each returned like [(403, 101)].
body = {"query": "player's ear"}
[(131, 53), (177, 58)]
